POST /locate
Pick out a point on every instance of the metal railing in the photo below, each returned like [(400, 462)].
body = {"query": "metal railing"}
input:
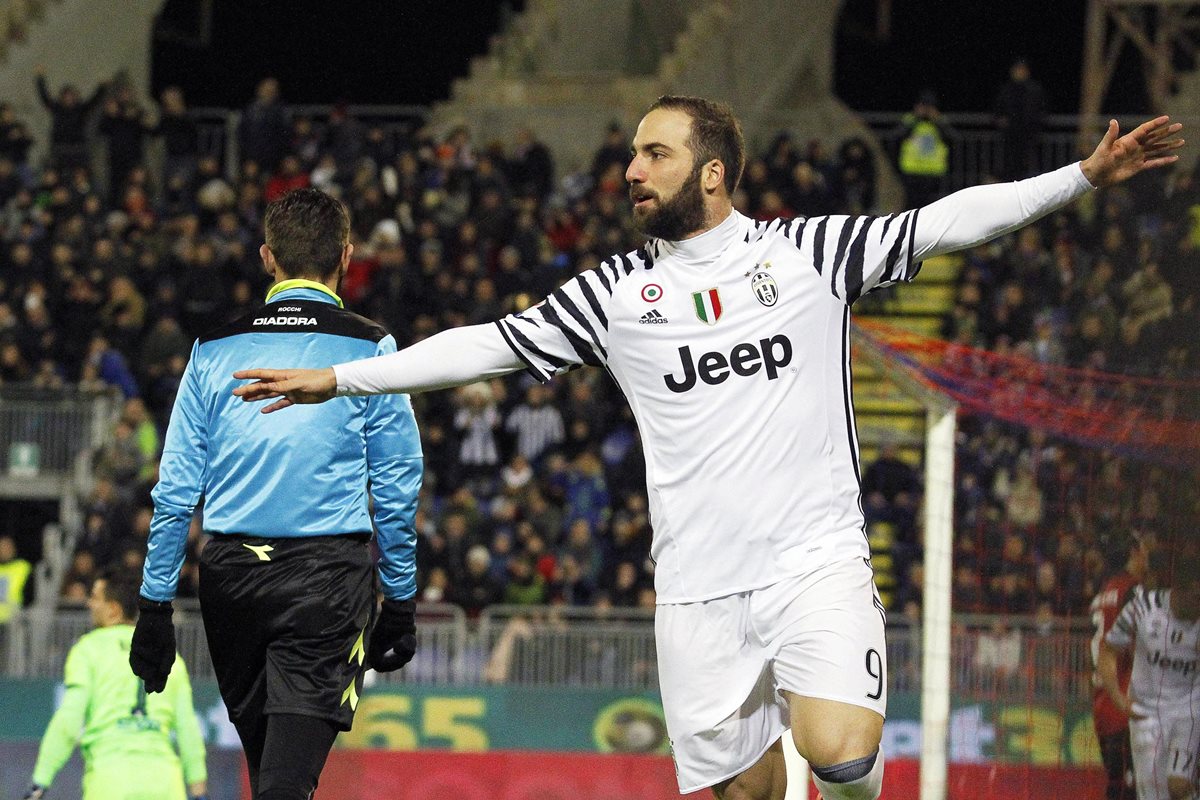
[(614, 649), (976, 145), (43, 433)]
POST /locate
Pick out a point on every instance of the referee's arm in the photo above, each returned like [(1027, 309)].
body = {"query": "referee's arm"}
[(180, 486), (395, 467)]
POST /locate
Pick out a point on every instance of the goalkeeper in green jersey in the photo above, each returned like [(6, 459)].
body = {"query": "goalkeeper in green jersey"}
[(126, 736)]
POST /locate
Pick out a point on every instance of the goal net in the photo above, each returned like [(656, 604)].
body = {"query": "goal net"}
[(1034, 478)]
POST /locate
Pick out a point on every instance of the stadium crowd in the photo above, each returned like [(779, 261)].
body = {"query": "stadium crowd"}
[(534, 494)]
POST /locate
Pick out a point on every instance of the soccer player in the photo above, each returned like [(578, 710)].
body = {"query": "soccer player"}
[(124, 733), (287, 588), (1162, 629), (731, 340), (1112, 724)]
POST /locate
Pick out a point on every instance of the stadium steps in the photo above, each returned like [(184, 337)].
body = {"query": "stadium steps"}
[(885, 414), (568, 68)]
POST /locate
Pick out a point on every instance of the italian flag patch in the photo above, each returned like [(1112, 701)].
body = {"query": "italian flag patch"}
[(708, 305)]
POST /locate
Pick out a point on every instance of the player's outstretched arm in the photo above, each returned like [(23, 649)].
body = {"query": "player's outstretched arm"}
[(978, 214), (451, 358), (1118, 158)]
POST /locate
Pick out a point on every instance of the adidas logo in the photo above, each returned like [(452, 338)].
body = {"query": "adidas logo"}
[(653, 317)]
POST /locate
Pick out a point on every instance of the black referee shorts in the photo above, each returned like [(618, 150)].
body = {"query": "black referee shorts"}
[(287, 622)]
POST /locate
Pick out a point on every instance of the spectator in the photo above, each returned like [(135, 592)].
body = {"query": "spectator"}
[(536, 425), (477, 418), (14, 577), (124, 123), (69, 116), (181, 144), (924, 152), (526, 586), (532, 166), (288, 178), (477, 588), (998, 653), (1020, 108), (263, 131)]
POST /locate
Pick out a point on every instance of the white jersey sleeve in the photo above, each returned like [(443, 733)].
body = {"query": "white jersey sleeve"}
[(855, 254), (569, 328), (1123, 633)]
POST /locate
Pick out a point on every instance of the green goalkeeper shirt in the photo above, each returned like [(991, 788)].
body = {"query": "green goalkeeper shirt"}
[(107, 712)]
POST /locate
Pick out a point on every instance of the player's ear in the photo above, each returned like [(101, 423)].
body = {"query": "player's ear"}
[(712, 175), (268, 260)]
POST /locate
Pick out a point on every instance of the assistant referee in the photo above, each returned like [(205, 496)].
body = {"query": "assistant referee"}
[(287, 590)]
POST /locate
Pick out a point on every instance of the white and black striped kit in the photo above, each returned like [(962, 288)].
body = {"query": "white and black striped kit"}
[(744, 408)]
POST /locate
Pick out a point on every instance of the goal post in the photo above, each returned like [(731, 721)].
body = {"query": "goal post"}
[(938, 539)]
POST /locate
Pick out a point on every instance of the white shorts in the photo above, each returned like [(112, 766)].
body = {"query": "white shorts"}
[(1164, 746), (723, 665)]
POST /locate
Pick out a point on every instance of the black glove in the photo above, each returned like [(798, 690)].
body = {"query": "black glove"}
[(36, 792), (152, 651), (394, 640)]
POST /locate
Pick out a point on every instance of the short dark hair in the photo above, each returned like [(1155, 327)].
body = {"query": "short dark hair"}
[(306, 229), (123, 587), (716, 133)]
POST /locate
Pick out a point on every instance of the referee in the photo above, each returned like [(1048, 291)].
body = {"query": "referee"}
[(286, 583)]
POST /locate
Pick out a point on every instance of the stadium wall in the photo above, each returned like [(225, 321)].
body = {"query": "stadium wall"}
[(521, 742), (82, 42)]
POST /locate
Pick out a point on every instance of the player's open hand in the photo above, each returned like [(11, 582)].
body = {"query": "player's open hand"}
[(291, 385), (1118, 158)]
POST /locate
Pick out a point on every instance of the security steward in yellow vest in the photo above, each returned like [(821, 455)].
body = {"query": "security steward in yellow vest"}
[(14, 574), (924, 154)]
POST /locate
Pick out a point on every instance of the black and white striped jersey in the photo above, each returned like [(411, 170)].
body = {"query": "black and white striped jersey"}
[(733, 350), (1166, 652)]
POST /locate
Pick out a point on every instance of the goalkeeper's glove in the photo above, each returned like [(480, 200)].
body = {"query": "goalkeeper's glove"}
[(394, 640), (152, 651), (36, 792)]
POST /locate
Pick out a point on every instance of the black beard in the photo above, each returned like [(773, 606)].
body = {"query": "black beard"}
[(678, 217)]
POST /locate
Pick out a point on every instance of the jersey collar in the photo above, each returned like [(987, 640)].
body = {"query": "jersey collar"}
[(709, 245), (294, 285)]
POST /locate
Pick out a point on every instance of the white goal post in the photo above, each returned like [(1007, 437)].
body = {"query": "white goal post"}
[(941, 420)]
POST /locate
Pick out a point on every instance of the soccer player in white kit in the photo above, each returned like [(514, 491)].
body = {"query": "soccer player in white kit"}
[(730, 341), (1162, 628)]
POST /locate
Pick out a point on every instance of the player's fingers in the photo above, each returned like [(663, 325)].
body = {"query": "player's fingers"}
[(1159, 162), (1111, 134), (253, 391), (278, 406), (257, 374), (1169, 145), (1141, 131), (1164, 131)]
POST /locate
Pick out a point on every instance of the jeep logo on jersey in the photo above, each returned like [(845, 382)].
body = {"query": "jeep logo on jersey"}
[(708, 305), (1163, 661), (285, 321), (745, 359), (765, 288)]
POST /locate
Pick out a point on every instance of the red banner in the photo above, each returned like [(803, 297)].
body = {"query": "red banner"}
[(433, 775)]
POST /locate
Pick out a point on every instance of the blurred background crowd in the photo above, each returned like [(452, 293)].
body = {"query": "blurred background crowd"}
[(534, 494)]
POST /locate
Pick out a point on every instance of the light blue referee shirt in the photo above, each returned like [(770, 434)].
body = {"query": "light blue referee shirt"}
[(306, 472)]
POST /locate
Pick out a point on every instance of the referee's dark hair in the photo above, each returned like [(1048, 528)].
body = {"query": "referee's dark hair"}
[(306, 230), (716, 133), (121, 586)]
